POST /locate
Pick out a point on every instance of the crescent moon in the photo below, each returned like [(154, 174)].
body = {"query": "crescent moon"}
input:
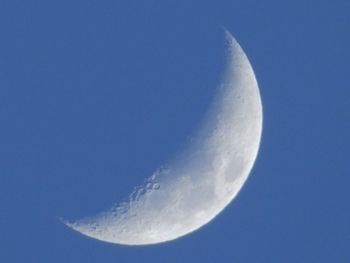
[(193, 189)]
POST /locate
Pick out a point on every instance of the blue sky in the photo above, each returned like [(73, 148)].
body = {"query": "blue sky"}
[(94, 95)]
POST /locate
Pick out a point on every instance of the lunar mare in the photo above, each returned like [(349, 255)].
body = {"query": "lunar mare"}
[(191, 191)]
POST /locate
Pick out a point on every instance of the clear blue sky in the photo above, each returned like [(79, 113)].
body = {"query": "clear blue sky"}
[(95, 95)]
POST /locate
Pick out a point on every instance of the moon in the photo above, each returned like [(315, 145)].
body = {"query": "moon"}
[(191, 190)]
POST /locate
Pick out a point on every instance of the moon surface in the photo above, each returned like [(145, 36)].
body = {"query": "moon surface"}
[(195, 187)]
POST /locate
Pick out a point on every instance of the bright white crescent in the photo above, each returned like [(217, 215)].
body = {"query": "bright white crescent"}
[(198, 185)]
